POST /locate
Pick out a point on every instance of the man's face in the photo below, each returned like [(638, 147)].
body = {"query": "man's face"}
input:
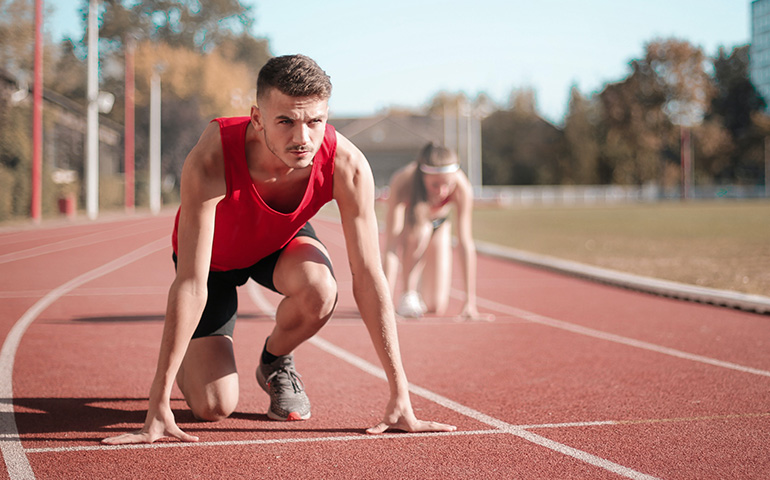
[(293, 127)]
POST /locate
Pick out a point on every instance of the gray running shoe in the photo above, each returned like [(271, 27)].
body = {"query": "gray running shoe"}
[(288, 400)]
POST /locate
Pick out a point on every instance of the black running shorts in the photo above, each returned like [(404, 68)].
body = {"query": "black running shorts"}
[(222, 304)]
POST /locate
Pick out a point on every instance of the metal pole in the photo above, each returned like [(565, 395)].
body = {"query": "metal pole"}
[(37, 118), (459, 129), (128, 134), (477, 177), (92, 152), (155, 142)]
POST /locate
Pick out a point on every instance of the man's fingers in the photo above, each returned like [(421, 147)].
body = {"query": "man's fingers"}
[(436, 427), (183, 436), (126, 439), (420, 426), (139, 437), (380, 428)]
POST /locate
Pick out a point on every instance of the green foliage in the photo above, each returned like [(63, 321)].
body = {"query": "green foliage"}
[(519, 147), (580, 162), (629, 133)]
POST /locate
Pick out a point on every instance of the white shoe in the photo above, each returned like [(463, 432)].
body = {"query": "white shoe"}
[(411, 305)]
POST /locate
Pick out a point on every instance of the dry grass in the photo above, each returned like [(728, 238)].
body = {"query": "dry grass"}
[(724, 245)]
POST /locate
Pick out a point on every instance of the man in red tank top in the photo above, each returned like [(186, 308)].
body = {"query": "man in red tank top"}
[(257, 180)]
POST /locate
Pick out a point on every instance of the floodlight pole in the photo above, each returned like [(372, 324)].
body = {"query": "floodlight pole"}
[(155, 120), (37, 117), (92, 151), (128, 140)]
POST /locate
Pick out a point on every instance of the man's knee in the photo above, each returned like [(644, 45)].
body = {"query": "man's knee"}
[(212, 404), (320, 298), (213, 411), (208, 378)]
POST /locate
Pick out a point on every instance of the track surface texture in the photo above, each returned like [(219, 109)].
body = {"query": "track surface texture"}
[(574, 379)]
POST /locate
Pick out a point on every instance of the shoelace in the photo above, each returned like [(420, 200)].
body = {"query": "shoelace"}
[(294, 380)]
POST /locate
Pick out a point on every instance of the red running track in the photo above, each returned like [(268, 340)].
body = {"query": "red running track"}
[(573, 379)]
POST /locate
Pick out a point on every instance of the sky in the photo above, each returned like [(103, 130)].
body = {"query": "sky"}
[(401, 53)]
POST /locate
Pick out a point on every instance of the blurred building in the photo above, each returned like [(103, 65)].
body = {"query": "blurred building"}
[(759, 52), (391, 140)]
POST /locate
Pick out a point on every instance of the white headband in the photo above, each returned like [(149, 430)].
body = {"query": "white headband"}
[(430, 169)]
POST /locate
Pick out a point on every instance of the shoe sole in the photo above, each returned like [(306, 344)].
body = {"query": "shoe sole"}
[(293, 417)]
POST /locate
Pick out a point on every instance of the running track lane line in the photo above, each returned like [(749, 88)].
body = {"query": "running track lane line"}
[(13, 453), (75, 242), (590, 332), (18, 464), (571, 327), (499, 425)]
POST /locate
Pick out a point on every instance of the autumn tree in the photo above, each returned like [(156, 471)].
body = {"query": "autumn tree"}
[(738, 109), (206, 57), (580, 163), (518, 146)]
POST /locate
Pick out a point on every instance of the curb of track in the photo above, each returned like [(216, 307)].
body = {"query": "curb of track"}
[(723, 298)]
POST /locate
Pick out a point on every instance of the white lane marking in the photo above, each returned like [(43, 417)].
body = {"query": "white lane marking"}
[(346, 438), (551, 322), (267, 441), (483, 418), (13, 453), (590, 332), (500, 425), (90, 292), (69, 243)]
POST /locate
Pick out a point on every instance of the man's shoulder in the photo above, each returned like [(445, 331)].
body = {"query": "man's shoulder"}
[(346, 154), (207, 154)]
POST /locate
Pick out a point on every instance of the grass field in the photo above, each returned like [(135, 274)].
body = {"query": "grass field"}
[(724, 245), (715, 244)]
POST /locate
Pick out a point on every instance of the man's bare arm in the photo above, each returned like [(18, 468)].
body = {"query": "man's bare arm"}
[(202, 187), (354, 193)]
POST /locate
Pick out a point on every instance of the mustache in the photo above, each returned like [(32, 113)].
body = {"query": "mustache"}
[(299, 148)]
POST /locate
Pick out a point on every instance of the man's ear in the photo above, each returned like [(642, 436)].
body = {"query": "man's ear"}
[(256, 118)]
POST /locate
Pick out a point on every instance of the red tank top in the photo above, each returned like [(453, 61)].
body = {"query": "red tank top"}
[(246, 229)]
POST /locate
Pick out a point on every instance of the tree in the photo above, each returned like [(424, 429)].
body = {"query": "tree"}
[(581, 161), (207, 57), (739, 109), (519, 147), (668, 86), (179, 23)]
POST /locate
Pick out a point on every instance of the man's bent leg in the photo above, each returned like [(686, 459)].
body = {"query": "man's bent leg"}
[(303, 275), (208, 377)]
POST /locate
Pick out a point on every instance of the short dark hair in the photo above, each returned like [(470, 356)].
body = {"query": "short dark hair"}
[(294, 75)]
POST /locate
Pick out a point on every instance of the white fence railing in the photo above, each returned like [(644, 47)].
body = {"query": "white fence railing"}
[(601, 194)]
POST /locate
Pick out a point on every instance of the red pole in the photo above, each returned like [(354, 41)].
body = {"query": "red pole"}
[(129, 128), (37, 117)]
